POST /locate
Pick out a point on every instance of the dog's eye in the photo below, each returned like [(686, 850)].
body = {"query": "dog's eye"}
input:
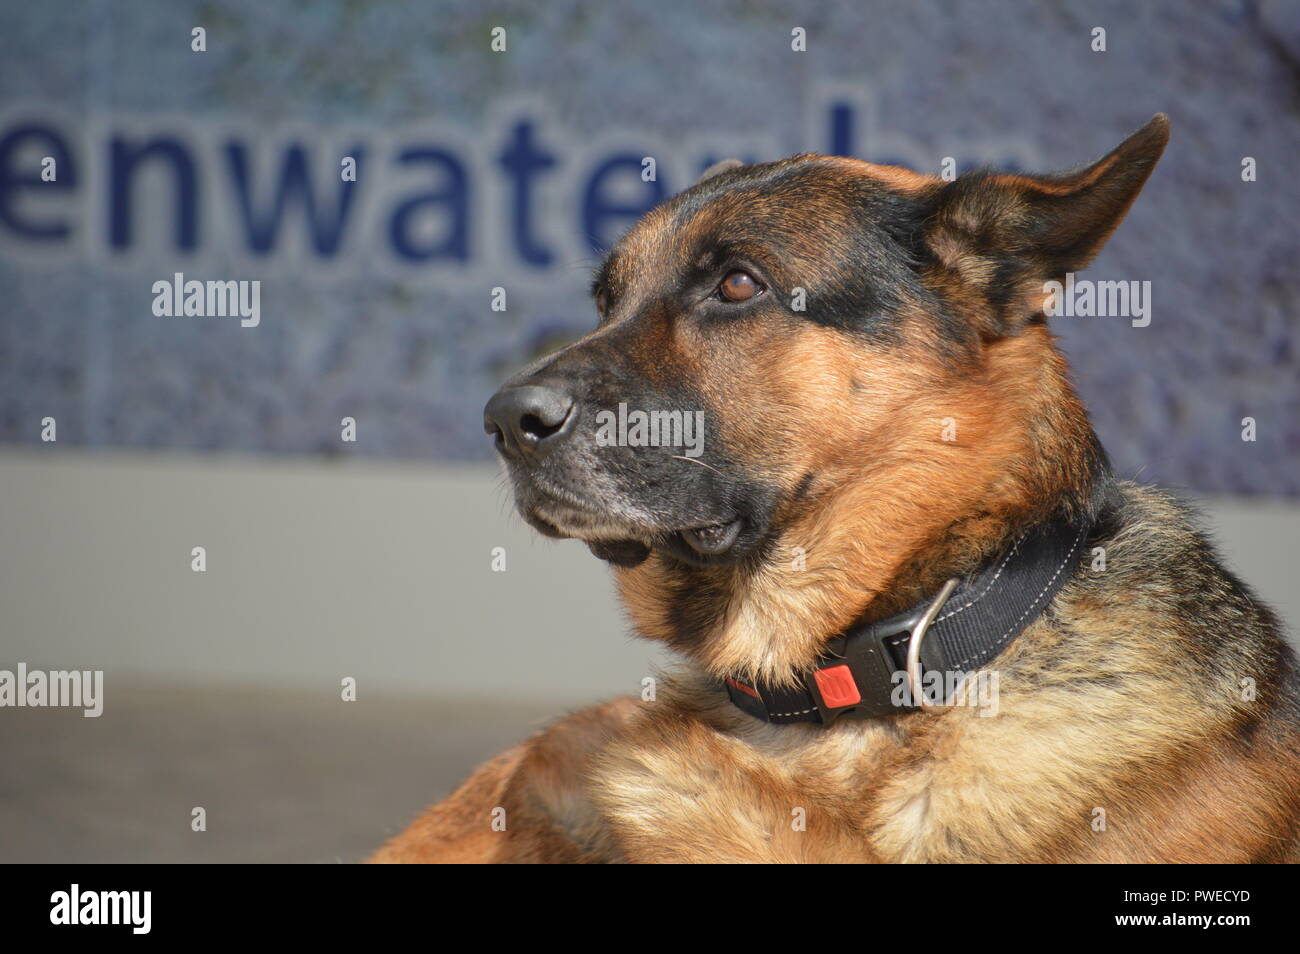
[(739, 286), (602, 302)]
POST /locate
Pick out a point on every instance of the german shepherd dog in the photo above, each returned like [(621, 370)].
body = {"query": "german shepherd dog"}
[(898, 485)]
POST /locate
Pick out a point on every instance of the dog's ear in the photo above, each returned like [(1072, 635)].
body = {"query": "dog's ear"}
[(725, 165), (1007, 235)]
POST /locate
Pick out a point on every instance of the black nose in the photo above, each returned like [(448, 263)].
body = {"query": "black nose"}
[(529, 419)]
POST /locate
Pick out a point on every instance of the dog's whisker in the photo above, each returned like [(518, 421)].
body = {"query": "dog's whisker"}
[(696, 460)]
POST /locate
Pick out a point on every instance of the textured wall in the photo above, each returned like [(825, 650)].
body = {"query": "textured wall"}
[(382, 313)]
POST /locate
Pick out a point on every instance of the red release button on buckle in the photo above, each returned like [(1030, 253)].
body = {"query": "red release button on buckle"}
[(837, 687)]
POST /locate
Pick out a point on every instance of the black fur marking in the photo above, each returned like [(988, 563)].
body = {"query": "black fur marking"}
[(867, 242)]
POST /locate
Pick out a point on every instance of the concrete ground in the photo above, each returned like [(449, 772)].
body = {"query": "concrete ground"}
[(284, 777)]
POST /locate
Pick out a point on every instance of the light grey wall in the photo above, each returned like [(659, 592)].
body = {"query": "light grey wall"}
[(377, 571), (314, 572)]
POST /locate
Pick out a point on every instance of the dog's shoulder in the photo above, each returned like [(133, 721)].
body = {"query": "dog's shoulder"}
[(528, 804), (1154, 585)]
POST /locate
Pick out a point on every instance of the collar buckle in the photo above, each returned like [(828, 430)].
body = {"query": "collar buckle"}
[(869, 676)]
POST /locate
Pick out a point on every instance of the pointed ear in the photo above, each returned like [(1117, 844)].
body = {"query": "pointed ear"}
[(1004, 236), (724, 165)]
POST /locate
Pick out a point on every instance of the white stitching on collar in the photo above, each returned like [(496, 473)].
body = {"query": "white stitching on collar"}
[(988, 588)]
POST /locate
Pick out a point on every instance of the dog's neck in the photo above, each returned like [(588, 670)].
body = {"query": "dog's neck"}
[(869, 544)]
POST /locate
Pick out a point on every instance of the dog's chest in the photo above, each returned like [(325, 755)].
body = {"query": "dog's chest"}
[(684, 791)]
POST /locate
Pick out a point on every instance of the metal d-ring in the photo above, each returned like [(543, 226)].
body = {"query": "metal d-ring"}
[(918, 634)]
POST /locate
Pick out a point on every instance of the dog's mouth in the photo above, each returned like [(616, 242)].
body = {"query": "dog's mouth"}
[(628, 544), (697, 545), (621, 553)]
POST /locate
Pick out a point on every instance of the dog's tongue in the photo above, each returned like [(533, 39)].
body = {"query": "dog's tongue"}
[(709, 541)]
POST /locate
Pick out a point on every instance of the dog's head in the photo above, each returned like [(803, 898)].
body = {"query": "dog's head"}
[(783, 341)]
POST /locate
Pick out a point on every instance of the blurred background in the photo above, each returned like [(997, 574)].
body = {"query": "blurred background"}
[(479, 169)]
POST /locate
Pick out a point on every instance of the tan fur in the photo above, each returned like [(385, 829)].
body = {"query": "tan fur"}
[(870, 515), (529, 804)]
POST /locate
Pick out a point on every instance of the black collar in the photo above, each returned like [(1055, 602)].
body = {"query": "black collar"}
[(865, 671)]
